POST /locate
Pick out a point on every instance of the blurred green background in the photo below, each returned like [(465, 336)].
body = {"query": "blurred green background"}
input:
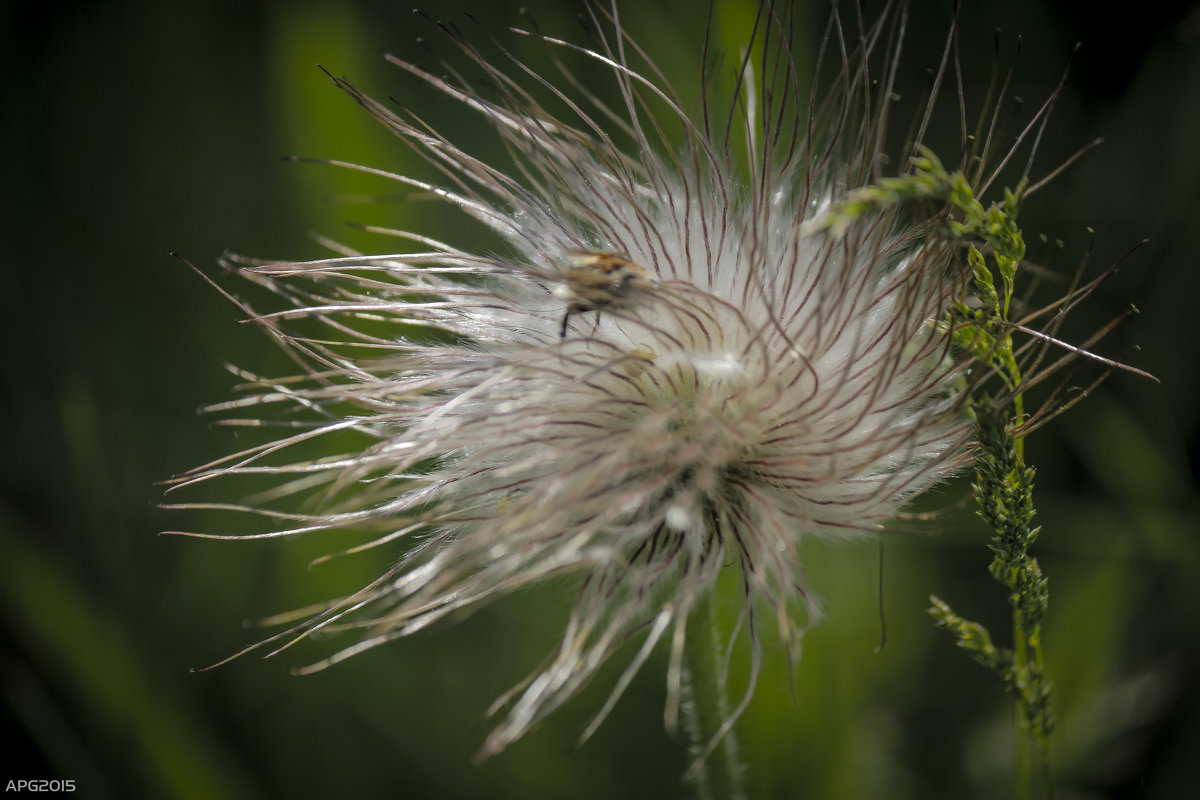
[(132, 129)]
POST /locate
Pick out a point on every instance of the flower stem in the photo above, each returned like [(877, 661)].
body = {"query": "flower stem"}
[(717, 771)]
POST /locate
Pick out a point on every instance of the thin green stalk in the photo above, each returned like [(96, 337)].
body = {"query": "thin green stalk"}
[(1023, 774), (1003, 481), (717, 773)]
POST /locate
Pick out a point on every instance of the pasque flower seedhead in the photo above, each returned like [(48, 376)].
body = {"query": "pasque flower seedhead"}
[(671, 370)]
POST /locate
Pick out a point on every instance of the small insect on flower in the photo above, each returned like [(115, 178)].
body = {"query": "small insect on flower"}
[(597, 280)]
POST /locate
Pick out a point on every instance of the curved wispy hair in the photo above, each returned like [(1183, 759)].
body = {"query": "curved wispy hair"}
[(665, 374)]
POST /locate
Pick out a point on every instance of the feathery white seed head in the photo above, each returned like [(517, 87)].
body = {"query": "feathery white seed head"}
[(666, 374)]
